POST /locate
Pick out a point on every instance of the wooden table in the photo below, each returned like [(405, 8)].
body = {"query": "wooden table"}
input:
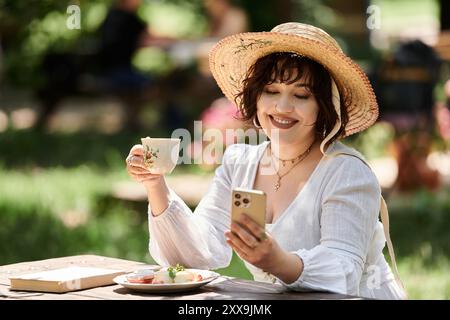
[(223, 288)]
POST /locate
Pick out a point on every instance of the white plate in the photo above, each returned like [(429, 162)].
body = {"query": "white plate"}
[(207, 276)]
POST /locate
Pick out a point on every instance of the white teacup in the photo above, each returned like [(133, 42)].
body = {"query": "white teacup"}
[(160, 154)]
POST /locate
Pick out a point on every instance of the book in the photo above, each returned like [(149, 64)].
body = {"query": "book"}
[(64, 279)]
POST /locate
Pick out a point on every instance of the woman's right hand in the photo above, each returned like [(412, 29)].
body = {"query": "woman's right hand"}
[(137, 170)]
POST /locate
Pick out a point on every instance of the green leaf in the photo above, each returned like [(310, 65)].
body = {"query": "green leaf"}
[(172, 273)]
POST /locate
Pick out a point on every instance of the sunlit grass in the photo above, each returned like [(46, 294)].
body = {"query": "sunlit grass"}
[(56, 212), (57, 189), (423, 281)]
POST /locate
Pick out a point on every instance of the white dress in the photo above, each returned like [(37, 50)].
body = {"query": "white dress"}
[(332, 225)]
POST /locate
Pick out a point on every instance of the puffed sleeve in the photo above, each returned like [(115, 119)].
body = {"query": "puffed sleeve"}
[(349, 213), (196, 239)]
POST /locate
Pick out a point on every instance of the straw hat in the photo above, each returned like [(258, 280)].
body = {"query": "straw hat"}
[(231, 58)]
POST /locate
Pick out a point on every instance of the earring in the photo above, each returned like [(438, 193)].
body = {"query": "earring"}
[(255, 124)]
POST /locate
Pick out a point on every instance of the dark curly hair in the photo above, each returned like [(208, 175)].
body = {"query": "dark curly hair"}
[(281, 66)]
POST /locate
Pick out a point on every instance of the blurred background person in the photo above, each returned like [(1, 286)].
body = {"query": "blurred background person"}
[(405, 84), (121, 34), (191, 83), (225, 18)]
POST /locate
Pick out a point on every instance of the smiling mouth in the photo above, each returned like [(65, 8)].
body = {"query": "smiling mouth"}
[(282, 123)]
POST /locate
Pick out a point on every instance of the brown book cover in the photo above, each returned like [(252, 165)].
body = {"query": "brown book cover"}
[(65, 279)]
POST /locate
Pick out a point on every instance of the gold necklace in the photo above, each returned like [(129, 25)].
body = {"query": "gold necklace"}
[(301, 157), (283, 161)]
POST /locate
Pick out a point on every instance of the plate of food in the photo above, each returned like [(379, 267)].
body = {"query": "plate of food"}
[(166, 280)]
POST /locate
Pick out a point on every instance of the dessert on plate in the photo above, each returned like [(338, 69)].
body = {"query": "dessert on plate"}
[(177, 274)]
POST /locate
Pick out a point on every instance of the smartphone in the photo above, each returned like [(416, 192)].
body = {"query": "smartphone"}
[(250, 202)]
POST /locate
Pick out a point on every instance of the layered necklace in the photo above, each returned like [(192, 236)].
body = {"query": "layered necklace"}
[(298, 158)]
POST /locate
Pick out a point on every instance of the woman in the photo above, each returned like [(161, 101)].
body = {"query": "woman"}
[(323, 200)]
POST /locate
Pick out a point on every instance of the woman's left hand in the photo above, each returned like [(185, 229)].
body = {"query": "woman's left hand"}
[(253, 244)]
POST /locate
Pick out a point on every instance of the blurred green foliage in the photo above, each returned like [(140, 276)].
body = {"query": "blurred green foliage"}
[(419, 226), (64, 150), (30, 29)]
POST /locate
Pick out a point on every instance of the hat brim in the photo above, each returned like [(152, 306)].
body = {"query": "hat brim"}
[(232, 57)]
